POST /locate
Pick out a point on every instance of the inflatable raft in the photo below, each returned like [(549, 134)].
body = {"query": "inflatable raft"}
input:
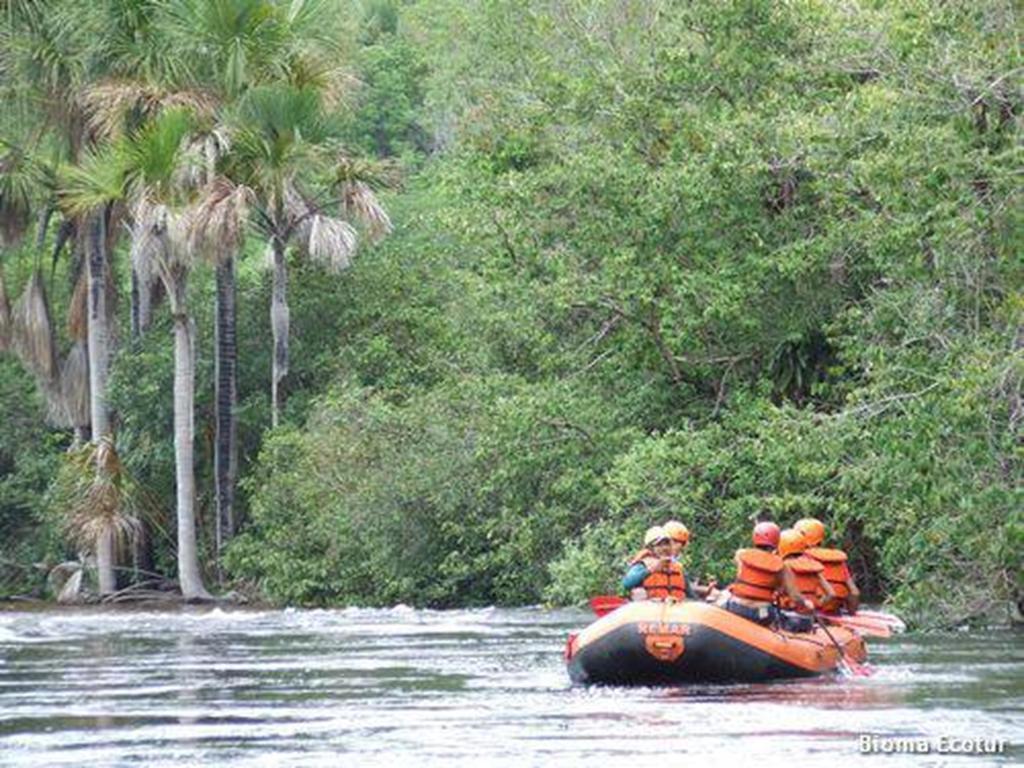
[(655, 643)]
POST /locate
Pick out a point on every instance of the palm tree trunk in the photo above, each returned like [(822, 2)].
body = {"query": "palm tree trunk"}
[(189, 576), (136, 324), (99, 357), (279, 325), (225, 401)]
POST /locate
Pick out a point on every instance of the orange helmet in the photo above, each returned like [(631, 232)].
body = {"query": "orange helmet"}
[(813, 530), (766, 534), (791, 541), (677, 531)]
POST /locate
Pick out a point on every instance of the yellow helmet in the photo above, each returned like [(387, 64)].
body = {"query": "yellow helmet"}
[(677, 531), (654, 534), (813, 530), (791, 541)]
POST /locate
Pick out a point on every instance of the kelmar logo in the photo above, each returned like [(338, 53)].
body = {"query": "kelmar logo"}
[(664, 641), (662, 628)]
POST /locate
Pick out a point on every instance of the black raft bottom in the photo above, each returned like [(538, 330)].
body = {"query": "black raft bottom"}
[(621, 658)]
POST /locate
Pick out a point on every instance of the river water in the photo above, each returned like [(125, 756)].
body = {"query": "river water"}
[(456, 688)]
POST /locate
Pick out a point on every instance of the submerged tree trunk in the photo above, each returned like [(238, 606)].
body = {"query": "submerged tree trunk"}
[(279, 326), (226, 400), (189, 576), (99, 359)]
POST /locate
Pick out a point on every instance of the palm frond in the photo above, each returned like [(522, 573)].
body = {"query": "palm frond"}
[(5, 316), (359, 203), (33, 335), (355, 180), (65, 581), (282, 113), (74, 385), (20, 179), (78, 307), (201, 156), (336, 84), (115, 107), (331, 242), (147, 230), (152, 157), (98, 496), (218, 221), (98, 179), (235, 36)]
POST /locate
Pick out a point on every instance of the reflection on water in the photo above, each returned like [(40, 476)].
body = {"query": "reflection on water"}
[(488, 686)]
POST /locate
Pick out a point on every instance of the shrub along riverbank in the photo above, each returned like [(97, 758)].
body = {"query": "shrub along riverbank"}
[(711, 261)]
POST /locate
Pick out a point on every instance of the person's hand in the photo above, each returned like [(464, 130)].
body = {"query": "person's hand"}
[(652, 564), (808, 605)]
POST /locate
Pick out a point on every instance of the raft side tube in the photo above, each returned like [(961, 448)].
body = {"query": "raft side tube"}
[(650, 643)]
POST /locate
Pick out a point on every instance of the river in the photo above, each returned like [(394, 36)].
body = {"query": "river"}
[(87, 687)]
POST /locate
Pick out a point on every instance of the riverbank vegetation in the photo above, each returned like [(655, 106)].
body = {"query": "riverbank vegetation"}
[(446, 302)]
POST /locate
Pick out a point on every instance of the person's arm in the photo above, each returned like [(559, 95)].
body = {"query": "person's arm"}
[(826, 588), (635, 576), (789, 586), (853, 599)]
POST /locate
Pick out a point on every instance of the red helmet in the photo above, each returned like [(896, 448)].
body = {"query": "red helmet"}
[(766, 534)]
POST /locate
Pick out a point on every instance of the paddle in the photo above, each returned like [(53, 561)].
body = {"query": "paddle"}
[(893, 622), (603, 604), (846, 663), (863, 626)]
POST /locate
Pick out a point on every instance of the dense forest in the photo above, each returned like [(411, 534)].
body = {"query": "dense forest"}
[(445, 302)]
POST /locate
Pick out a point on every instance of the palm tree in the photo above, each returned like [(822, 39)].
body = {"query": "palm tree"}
[(148, 171), (283, 150), (50, 54), (241, 44)]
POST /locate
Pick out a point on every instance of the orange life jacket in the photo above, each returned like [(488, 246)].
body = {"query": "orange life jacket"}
[(759, 575), (836, 572), (805, 575), (670, 583)]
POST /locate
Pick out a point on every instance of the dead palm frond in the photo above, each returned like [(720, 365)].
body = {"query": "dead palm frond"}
[(327, 240), (113, 106), (198, 165), (97, 496), (356, 180), (65, 581), (331, 242), (5, 317), (33, 334), (360, 204), (78, 307), (145, 235), (74, 385), (218, 221)]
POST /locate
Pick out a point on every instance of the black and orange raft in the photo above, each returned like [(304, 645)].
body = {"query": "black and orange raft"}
[(655, 643)]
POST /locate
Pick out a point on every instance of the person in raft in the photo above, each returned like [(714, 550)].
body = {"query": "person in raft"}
[(759, 580), (653, 573), (806, 575), (846, 595), (680, 538)]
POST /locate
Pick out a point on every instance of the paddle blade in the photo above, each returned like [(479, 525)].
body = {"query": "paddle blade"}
[(603, 604), (891, 620), (861, 626)]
